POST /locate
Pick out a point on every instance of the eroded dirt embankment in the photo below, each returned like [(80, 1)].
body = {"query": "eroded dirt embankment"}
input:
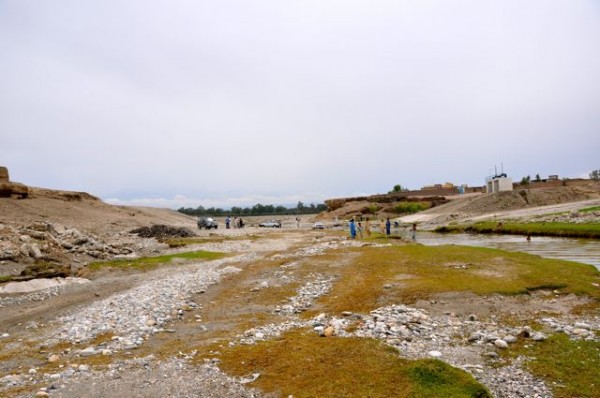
[(522, 204)]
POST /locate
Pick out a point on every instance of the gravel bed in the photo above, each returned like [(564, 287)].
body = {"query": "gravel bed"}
[(149, 378), (134, 315)]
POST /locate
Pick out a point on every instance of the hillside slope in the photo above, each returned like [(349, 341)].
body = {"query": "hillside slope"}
[(65, 230), (84, 212), (468, 206), (519, 203)]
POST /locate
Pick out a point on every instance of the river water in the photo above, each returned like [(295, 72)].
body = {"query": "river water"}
[(581, 250)]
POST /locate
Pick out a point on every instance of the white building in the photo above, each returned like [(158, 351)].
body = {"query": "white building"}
[(498, 183)]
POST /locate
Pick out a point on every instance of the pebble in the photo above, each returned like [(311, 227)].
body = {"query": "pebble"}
[(53, 358), (510, 339), (501, 344), (329, 331), (538, 336)]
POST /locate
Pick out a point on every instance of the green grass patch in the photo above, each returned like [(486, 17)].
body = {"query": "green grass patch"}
[(411, 207), (5, 278), (181, 242), (571, 230), (569, 367), (404, 274), (590, 209), (152, 262), (302, 364)]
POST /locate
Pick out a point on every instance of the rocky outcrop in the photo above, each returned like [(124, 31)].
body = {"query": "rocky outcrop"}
[(382, 205), (163, 232), (48, 249), (8, 188)]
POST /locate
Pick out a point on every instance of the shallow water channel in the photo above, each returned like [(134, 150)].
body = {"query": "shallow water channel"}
[(581, 250)]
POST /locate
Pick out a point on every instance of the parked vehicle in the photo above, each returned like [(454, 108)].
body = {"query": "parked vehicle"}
[(207, 222), (318, 225), (270, 224)]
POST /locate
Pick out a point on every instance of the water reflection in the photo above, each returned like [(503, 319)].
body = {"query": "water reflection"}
[(580, 250)]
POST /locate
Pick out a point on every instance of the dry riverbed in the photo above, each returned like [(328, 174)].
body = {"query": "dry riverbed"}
[(170, 331)]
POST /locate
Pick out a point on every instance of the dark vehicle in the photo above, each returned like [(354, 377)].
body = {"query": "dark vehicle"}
[(270, 224), (207, 222)]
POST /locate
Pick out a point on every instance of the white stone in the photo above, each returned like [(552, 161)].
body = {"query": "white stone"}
[(581, 325), (510, 339), (53, 358), (579, 331), (434, 354), (88, 352), (501, 343)]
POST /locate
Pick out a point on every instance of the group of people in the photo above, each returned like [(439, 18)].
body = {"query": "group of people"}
[(237, 222), (356, 228)]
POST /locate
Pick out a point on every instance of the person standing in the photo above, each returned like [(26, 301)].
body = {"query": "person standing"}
[(368, 227), (352, 229), (388, 226), (414, 231), (227, 222), (360, 229), (382, 226)]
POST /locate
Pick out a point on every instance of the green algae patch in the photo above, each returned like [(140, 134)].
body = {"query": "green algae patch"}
[(404, 274), (153, 262), (302, 364), (559, 229), (182, 242)]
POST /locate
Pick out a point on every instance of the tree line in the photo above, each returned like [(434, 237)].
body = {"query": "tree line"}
[(256, 210), (594, 175)]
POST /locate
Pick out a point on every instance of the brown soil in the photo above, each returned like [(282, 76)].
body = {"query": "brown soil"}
[(85, 212), (522, 203)]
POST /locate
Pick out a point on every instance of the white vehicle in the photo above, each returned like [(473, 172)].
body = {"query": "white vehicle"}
[(270, 224), (318, 225)]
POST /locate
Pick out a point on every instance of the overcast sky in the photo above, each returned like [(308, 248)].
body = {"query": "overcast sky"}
[(233, 102)]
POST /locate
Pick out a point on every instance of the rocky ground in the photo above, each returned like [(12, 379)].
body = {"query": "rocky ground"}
[(61, 324)]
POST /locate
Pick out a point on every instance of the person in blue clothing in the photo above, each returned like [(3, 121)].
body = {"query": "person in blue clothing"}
[(352, 229), (388, 226)]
